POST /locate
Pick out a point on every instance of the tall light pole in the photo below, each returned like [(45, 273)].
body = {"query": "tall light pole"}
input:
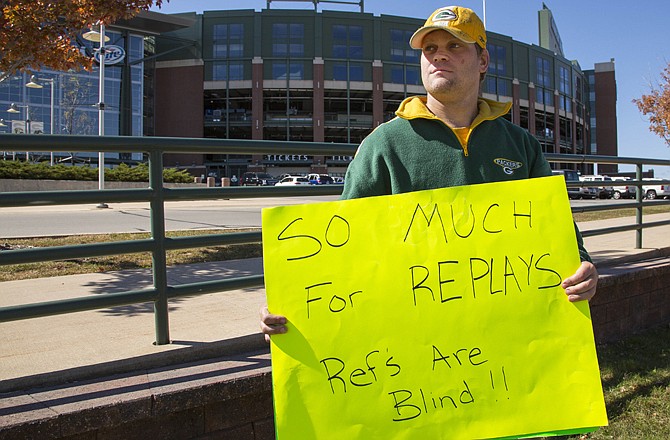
[(99, 36), (35, 84), (2, 124)]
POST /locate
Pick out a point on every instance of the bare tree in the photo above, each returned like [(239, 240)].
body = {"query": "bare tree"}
[(75, 103), (77, 99)]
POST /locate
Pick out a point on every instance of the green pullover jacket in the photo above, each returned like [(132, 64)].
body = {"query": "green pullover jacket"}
[(417, 151)]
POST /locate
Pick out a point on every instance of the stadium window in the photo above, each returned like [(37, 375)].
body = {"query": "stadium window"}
[(236, 72), (340, 72), (228, 40), (400, 50), (288, 39), (405, 75), (564, 83), (498, 61), (412, 75), (347, 41), (397, 75), (543, 77), (223, 71), (295, 70), (356, 73)]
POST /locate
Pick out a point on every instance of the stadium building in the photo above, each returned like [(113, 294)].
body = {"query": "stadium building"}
[(329, 76), (322, 76)]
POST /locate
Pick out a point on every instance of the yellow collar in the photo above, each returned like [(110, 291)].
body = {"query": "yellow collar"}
[(415, 107)]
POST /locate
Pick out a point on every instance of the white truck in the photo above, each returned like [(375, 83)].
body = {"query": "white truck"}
[(653, 190)]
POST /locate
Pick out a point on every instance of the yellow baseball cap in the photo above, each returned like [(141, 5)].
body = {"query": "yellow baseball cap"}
[(461, 22)]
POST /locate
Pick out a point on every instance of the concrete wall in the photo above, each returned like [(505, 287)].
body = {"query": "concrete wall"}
[(231, 398)]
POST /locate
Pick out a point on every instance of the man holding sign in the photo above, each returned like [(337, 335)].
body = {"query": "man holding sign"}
[(466, 332), (451, 137)]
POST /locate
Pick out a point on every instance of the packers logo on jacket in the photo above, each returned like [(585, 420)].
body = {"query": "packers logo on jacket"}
[(507, 165)]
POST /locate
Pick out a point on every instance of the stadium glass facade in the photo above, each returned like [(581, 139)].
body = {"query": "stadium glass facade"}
[(76, 94)]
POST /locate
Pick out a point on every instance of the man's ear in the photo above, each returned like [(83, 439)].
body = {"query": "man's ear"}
[(484, 61)]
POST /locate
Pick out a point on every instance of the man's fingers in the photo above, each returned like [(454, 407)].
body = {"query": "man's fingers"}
[(581, 286), (271, 324)]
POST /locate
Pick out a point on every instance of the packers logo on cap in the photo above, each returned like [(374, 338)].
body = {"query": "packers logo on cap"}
[(461, 22), (446, 15)]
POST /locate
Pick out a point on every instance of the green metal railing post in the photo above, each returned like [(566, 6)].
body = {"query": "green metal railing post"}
[(158, 257), (638, 210)]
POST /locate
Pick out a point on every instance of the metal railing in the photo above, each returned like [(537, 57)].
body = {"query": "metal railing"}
[(157, 194), (639, 163)]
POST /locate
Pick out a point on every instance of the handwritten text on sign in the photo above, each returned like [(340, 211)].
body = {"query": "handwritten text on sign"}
[(435, 314)]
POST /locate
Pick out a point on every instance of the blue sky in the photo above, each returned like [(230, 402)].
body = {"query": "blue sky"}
[(636, 35)]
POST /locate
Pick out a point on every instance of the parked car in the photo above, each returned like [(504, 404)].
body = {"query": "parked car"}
[(320, 179), (604, 189), (653, 190), (257, 179), (622, 191), (293, 181), (576, 192)]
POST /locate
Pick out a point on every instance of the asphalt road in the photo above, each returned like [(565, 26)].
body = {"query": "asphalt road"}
[(135, 217)]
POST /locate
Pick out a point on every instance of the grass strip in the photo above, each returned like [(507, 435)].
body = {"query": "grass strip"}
[(635, 374), (109, 263)]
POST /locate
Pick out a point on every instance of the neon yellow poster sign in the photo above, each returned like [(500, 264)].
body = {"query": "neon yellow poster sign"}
[(435, 314)]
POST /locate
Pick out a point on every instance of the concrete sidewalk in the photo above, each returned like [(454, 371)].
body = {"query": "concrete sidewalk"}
[(94, 343), (619, 247), (85, 345)]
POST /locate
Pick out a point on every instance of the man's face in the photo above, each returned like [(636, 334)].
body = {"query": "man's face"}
[(450, 68)]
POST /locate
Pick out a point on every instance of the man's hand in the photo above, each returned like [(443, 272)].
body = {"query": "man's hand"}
[(271, 324), (582, 284)]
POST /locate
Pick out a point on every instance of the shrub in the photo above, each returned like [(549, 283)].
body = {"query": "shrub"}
[(10, 169)]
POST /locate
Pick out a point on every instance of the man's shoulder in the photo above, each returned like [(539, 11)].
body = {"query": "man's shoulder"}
[(503, 123), (394, 122), (388, 135), (390, 127)]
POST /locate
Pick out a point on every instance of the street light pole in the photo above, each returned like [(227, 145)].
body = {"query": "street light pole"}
[(101, 110), (35, 84), (100, 37)]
